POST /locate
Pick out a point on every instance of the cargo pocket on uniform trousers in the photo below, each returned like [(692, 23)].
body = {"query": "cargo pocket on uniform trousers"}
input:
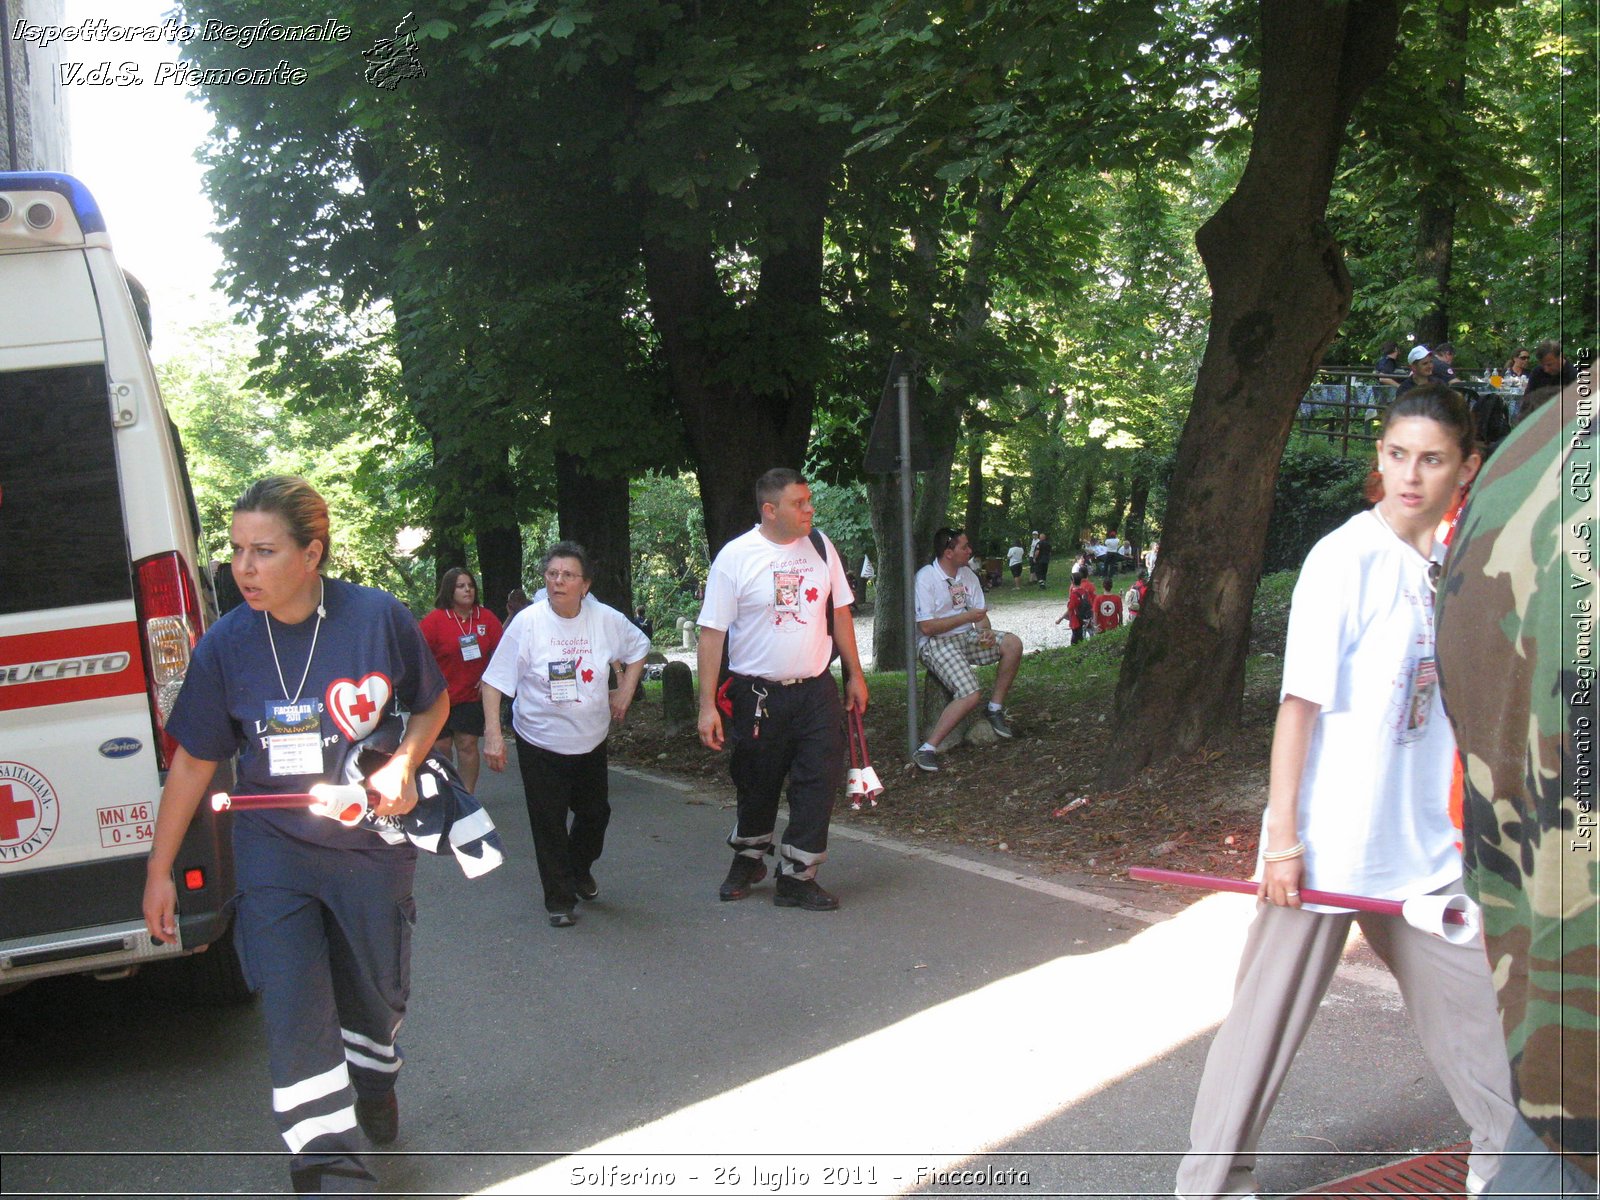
[(236, 916), (406, 917)]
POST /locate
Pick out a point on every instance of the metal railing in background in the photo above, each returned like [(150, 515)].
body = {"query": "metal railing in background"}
[(1342, 406)]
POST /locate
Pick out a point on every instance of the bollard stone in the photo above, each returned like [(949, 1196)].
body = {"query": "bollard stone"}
[(932, 702), (679, 708), (689, 632)]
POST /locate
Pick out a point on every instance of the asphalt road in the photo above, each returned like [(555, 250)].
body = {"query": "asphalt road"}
[(959, 1025)]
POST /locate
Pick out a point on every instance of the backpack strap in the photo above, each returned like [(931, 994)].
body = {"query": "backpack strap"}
[(822, 548)]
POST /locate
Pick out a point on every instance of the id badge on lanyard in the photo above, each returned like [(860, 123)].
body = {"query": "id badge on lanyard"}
[(293, 738), (564, 681), (469, 647)]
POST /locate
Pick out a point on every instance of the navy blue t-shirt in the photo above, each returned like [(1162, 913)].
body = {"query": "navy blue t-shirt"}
[(370, 660)]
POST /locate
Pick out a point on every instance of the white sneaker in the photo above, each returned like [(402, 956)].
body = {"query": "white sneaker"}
[(1476, 1184)]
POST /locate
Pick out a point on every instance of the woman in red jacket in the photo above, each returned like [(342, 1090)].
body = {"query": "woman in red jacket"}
[(462, 635)]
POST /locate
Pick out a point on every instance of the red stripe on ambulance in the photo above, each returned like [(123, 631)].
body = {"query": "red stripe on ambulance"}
[(65, 666)]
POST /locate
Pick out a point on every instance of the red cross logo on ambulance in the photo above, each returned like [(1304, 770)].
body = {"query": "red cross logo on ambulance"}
[(357, 707), (29, 812)]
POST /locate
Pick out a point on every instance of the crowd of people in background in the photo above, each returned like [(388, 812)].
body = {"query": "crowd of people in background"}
[(1499, 397)]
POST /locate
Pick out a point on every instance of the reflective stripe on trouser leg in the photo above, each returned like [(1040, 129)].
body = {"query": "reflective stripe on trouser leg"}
[(325, 937), (797, 862), (284, 945), (815, 725), (369, 943), (751, 847)]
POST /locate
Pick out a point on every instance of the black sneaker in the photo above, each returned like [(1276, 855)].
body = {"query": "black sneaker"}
[(803, 893), (563, 920), (745, 873), (586, 887), (379, 1117)]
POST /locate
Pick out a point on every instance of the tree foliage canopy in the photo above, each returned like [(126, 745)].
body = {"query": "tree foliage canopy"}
[(602, 242)]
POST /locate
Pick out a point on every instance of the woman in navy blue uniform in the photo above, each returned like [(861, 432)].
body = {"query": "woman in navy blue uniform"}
[(288, 681)]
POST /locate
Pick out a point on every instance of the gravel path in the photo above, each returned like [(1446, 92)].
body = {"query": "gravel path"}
[(1031, 616)]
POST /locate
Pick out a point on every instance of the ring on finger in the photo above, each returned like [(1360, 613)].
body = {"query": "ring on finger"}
[(1291, 893)]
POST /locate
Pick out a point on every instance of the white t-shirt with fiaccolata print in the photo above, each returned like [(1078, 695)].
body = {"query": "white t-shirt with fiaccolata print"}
[(557, 667), (1374, 798), (773, 602)]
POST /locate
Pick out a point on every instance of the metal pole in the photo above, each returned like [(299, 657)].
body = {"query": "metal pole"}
[(908, 583)]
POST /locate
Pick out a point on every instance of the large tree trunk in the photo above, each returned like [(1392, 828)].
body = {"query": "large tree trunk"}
[(1089, 460), (497, 532), (593, 511), (1436, 214), (744, 376), (447, 517), (1279, 293), (1134, 535), (974, 521)]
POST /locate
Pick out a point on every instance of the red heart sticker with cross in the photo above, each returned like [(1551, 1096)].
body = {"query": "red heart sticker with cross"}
[(357, 707)]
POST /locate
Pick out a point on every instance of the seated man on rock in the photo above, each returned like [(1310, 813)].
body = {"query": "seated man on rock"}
[(954, 636)]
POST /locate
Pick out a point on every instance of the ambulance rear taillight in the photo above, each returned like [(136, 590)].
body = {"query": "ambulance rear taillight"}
[(170, 617)]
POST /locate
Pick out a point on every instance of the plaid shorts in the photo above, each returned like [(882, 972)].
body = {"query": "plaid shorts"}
[(952, 658)]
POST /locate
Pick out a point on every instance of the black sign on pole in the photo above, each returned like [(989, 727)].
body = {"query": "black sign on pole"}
[(883, 446)]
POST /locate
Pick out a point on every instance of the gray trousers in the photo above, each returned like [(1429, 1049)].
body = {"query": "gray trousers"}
[(1289, 959)]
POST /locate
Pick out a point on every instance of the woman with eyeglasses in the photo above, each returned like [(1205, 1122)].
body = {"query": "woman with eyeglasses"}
[(1515, 373), (1358, 803), (555, 657)]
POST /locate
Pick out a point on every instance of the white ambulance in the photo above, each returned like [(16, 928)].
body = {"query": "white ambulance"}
[(101, 602)]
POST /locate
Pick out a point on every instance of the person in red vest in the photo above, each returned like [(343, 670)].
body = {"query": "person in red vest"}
[(1080, 610), (1107, 612)]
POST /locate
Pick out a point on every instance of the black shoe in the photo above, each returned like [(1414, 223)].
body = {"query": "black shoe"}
[(586, 887), (563, 920), (803, 893), (379, 1117), (745, 873)]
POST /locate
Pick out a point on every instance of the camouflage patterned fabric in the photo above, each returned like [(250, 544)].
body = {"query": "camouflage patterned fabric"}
[(1517, 611)]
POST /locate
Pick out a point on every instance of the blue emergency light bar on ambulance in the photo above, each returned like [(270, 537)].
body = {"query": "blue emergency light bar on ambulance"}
[(101, 605)]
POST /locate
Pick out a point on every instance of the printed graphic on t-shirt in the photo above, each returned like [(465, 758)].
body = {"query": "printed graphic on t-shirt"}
[(573, 667), (1420, 682), (790, 594), (959, 596), (356, 706)]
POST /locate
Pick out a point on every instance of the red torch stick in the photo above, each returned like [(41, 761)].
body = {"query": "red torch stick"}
[(1219, 883), (345, 803)]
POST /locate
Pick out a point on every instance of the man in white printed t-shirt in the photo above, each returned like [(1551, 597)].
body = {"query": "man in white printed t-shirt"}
[(768, 596), (954, 636)]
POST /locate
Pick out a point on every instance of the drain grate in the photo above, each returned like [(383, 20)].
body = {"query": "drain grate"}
[(1441, 1173)]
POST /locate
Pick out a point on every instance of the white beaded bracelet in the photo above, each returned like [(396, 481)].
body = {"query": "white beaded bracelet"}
[(1294, 851)]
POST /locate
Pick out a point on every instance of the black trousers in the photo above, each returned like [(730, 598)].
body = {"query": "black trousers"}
[(798, 735), (556, 784)]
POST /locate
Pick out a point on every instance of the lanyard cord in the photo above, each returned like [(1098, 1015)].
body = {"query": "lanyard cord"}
[(316, 629), (1430, 575), (466, 626)]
